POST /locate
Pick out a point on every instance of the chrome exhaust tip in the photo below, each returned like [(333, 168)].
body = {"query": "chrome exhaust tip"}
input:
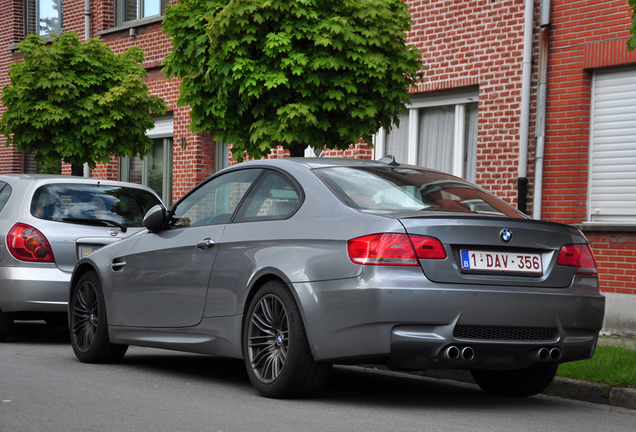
[(555, 354), (543, 354), (468, 354), (452, 353)]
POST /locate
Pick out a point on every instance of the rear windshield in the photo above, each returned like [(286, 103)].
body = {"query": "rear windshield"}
[(5, 192), (406, 189), (65, 202)]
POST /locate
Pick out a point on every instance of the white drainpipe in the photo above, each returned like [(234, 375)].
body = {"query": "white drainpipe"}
[(522, 168), (541, 109), (87, 34)]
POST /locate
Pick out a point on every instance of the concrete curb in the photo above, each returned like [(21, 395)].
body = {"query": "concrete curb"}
[(562, 387)]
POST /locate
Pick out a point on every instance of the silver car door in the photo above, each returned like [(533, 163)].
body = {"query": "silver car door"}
[(163, 280)]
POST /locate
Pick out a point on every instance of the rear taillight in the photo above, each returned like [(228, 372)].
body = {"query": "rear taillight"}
[(579, 256), (394, 249), (28, 244)]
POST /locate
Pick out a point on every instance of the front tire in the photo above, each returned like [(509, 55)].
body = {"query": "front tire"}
[(522, 382), (89, 325), (275, 346)]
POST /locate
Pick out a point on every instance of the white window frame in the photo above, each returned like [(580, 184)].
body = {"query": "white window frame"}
[(119, 15), (597, 213), (36, 28), (459, 99), (163, 129)]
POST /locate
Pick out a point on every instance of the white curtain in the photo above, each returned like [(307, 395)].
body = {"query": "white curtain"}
[(397, 139), (436, 137)]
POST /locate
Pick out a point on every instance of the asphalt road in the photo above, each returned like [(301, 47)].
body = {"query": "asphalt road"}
[(44, 388)]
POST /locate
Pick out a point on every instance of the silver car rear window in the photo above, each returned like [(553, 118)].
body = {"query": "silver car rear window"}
[(65, 202), (407, 189), (5, 193)]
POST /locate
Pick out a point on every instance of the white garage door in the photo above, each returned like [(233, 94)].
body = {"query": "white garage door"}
[(612, 195)]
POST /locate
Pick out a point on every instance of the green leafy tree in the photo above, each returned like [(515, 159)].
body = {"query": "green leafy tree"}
[(78, 101), (631, 44), (295, 73)]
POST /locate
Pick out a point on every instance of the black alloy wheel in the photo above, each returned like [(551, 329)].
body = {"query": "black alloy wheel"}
[(277, 354), (88, 323)]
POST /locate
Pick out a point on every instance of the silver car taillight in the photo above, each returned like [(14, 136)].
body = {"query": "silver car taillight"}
[(28, 244)]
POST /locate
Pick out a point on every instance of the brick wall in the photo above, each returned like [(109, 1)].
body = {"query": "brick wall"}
[(577, 28), (584, 35), (11, 31), (480, 44)]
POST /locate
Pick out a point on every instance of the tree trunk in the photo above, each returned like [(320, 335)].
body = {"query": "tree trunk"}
[(297, 150), (77, 170)]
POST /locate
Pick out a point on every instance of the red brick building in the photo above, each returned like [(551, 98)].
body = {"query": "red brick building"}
[(533, 100)]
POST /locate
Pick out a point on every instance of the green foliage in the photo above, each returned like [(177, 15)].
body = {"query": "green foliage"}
[(631, 44), (262, 73), (78, 101)]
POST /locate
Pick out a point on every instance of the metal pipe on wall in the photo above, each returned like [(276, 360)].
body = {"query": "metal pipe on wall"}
[(524, 121), (87, 34), (541, 109)]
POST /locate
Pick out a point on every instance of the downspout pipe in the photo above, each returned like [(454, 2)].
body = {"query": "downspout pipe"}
[(87, 34), (524, 121), (541, 109)]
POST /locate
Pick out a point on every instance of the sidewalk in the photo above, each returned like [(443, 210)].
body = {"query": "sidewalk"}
[(570, 388)]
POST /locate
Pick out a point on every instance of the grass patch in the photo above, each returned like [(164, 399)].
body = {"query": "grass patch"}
[(611, 365)]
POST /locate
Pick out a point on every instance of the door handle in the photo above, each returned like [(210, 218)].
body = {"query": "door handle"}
[(205, 244)]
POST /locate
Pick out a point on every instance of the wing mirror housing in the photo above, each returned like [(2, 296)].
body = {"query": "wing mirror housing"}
[(155, 218)]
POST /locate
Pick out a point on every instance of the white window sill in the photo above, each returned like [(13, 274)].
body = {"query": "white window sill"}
[(606, 226), (132, 25)]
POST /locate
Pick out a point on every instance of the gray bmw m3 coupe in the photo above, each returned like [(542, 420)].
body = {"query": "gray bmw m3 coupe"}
[(297, 264)]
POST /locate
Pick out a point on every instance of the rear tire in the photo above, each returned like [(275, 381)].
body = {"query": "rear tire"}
[(89, 325), (275, 346), (523, 382), (6, 325)]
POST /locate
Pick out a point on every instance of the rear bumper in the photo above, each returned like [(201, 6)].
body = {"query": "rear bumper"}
[(374, 316), (24, 289)]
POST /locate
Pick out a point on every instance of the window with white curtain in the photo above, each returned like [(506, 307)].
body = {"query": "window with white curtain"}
[(436, 131)]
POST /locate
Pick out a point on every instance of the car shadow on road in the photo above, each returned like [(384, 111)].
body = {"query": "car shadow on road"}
[(38, 332), (350, 385)]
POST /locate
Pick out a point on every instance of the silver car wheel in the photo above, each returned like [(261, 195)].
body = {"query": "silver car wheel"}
[(85, 316), (268, 338)]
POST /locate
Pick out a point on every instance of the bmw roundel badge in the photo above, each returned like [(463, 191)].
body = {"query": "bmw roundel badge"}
[(506, 235)]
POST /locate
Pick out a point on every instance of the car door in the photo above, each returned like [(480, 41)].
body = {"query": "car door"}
[(259, 235), (163, 281)]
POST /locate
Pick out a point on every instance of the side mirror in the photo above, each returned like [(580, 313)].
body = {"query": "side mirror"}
[(155, 218)]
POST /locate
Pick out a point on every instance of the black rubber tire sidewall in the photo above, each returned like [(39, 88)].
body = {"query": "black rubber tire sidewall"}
[(102, 350), (301, 375), (522, 382)]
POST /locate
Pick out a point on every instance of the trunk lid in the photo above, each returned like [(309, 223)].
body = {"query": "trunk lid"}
[(500, 244)]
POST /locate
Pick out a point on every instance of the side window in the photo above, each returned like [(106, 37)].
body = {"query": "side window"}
[(274, 197), (214, 202), (5, 193)]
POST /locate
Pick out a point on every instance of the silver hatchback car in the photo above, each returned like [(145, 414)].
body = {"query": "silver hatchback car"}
[(296, 264), (47, 223)]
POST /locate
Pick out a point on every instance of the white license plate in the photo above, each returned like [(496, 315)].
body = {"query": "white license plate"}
[(501, 261)]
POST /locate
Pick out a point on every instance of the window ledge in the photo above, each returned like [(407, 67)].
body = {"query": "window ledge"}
[(606, 227), (132, 25), (14, 46)]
